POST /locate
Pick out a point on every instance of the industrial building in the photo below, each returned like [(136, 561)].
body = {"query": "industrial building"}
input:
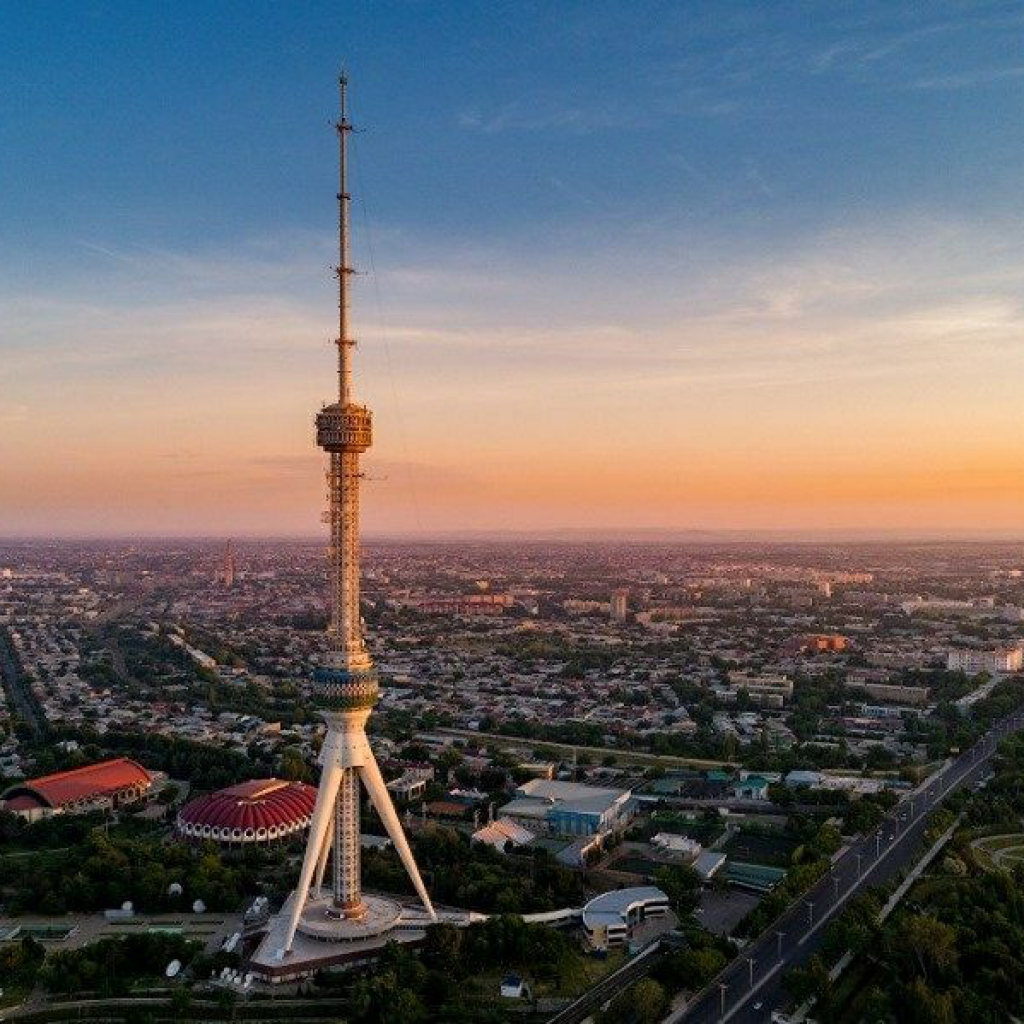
[(553, 807)]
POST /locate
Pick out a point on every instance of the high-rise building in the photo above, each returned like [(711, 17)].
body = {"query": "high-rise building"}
[(620, 604), (320, 924), (229, 565)]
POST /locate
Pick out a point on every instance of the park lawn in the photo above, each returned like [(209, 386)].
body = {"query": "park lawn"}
[(703, 831), (1006, 845), (761, 848), (14, 995), (584, 972), (1000, 842)]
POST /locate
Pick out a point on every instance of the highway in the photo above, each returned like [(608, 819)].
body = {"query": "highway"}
[(22, 701), (750, 987)]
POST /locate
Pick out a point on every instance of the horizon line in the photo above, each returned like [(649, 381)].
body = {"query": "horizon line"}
[(648, 535)]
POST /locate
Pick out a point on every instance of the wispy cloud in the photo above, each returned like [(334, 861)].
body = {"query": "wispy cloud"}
[(13, 413), (571, 192), (523, 117), (104, 250), (967, 79)]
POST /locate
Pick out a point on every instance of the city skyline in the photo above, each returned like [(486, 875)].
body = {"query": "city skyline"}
[(747, 272)]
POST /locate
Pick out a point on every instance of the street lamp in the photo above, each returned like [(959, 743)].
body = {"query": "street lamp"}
[(859, 859), (750, 965), (810, 912), (779, 935), (722, 986)]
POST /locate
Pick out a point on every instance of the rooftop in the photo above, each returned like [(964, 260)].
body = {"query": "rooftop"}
[(86, 783), (613, 908)]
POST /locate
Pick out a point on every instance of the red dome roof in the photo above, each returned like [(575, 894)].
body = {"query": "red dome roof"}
[(251, 811)]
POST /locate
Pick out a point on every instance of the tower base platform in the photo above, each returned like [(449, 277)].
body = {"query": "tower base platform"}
[(327, 942)]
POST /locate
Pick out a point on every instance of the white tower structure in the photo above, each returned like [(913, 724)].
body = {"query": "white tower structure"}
[(345, 682)]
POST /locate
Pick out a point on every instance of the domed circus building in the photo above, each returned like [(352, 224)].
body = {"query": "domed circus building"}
[(260, 811)]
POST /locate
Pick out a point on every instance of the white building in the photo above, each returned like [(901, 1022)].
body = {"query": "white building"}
[(680, 846), (1004, 659), (502, 834), (610, 919), (771, 689)]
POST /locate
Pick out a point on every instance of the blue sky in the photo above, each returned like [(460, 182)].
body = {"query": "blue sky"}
[(193, 123), (710, 208)]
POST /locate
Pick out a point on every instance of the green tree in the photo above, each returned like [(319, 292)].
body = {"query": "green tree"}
[(694, 968), (642, 1003), (681, 884), (810, 982), (925, 1006), (933, 943)]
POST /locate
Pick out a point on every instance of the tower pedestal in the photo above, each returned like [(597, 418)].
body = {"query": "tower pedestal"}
[(320, 919), (323, 942)]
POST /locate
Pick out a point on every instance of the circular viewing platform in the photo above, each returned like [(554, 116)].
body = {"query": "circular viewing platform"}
[(320, 920), (344, 428)]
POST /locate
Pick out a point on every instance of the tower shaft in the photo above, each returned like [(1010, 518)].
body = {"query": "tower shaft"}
[(347, 883), (349, 647)]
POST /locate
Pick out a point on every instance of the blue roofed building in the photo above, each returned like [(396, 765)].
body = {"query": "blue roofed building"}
[(751, 787), (562, 808)]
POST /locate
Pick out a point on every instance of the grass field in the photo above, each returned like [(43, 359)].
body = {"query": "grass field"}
[(1000, 851), (634, 864), (584, 972), (704, 831), (757, 848)]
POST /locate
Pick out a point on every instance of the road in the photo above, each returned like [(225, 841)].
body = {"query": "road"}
[(750, 988), (623, 757), (22, 700)]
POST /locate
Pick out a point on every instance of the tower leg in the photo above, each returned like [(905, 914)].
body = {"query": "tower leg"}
[(325, 849), (329, 779), (374, 782)]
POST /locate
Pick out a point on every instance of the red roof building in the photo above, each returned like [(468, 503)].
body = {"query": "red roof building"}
[(101, 786), (260, 811)]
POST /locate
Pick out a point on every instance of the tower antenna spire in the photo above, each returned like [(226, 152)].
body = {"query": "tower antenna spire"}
[(343, 269)]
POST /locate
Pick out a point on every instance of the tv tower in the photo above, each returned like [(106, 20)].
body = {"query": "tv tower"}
[(345, 682), (229, 565)]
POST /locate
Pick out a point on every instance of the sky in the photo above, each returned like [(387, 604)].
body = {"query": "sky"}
[(625, 266)]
